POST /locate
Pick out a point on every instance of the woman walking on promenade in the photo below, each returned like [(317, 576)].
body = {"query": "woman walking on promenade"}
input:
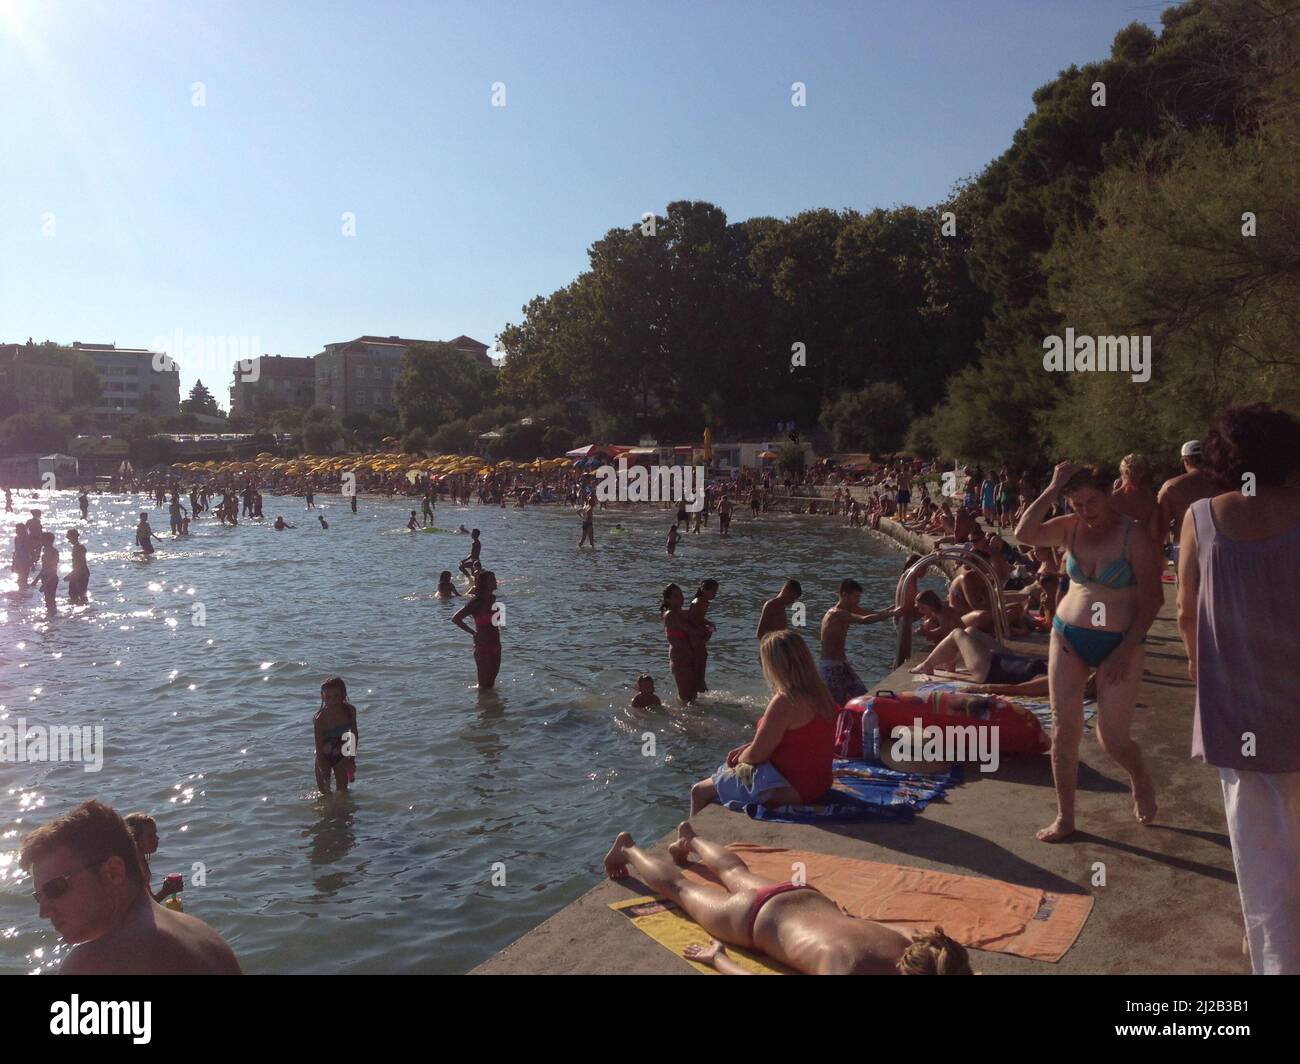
[(1101, 623), (1239, 582)]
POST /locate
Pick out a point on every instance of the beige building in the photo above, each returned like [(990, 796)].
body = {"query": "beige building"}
[(133, 381), (272, 382), (357, 376), (33, 378)]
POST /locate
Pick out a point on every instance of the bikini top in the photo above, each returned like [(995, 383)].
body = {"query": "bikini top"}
[(1115, 575)]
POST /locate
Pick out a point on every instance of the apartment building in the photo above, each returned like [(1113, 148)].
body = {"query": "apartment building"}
[(357, 376), (33, 377), (133, 381), (273, 381)]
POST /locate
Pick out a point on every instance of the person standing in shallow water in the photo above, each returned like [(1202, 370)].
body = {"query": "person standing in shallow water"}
[(79, 578), (701, 629), (482, 607), (335, 727), (681, 662)]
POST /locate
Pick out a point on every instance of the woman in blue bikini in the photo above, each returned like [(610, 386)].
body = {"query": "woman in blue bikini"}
[(1100, 624)]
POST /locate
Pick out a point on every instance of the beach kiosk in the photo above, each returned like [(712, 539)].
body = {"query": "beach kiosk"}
[(63, 467)]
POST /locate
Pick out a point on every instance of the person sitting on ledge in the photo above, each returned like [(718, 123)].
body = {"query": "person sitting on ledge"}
[(792, 923), (789, 760)]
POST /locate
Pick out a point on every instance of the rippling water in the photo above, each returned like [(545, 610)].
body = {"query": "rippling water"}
[(209, 727)]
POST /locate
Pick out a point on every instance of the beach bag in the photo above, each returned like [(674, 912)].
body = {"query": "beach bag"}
[(848, 731)]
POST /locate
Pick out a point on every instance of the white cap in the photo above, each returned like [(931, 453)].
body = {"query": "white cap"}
[(1191, 447)]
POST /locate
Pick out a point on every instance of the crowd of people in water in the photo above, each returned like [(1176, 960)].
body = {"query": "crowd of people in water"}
[(1083, 576)]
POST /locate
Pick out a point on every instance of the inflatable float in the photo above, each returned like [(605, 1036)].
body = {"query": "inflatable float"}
[(1018, 730)]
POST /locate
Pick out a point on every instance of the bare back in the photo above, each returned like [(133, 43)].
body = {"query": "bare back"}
[(154, 940)]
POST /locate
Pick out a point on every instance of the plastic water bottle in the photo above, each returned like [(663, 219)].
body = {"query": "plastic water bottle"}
[(870, 735)]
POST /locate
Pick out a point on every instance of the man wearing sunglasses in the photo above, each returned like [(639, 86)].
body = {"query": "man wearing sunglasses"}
[(91, 887)]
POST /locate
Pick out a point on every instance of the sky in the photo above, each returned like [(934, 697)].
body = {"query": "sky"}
[(190, 171)]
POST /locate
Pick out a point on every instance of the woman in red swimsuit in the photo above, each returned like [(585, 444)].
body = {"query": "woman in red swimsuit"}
[(789, 760), (681, 661), (482, 606)]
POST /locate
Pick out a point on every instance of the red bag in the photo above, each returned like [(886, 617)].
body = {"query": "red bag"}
[(848, 731)]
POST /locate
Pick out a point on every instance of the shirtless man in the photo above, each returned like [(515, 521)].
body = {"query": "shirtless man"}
[(1177, 494), (772, 619), (144, 535), (795, 925), (835, 670), (90, 885), (724, 516)]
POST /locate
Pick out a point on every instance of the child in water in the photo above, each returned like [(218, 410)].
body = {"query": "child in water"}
[(672, 540), (336, 731), (645, 696), (323, 522), (144, 829), (446, 589), (412, 524), (144, 535)]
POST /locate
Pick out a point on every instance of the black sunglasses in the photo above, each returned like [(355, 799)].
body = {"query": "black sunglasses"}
[(55, 888)]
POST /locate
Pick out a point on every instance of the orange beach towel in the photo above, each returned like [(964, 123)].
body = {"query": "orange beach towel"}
[(983, 913)]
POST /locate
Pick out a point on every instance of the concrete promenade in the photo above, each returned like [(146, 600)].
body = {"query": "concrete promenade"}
[(1169, 904)]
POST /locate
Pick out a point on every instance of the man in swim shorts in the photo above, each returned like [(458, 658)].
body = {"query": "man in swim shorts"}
[(835, 670)]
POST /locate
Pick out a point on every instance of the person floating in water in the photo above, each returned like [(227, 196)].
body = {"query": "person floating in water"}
[(323, 522), (446, 589), (79, 578), (793, 923), (482, 606), (470, 562), (281, 524), (336, 736), (144, 535), (645, 696)]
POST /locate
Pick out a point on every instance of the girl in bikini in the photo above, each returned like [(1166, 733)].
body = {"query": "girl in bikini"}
[(793, 923), (1100, 623), (681, 660), (335, 725), (481, 605)]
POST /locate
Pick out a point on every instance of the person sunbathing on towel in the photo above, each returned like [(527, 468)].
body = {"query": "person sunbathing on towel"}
[(794, 924)]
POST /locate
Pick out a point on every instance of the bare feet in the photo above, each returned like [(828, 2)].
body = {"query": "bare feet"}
[(1144, 800), (680, 851), (616, 859), (705, 954), (1056, 831)]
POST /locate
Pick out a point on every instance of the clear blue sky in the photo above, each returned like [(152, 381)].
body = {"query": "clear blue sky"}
[(225, 220)]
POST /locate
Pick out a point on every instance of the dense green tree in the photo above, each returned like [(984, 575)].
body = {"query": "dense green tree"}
[(201, 401), (439, 384)]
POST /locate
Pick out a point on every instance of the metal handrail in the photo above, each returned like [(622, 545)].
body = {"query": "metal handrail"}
[(907, 582)]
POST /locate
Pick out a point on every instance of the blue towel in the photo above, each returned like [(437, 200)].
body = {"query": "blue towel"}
[(864, 790)]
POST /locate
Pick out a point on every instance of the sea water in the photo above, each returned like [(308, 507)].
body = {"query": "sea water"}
[(474, 816)]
